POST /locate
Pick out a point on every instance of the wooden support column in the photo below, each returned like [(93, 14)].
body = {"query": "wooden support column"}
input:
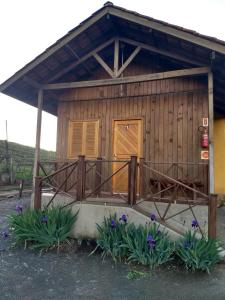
[(132, 180), (211, 143), (81, 178), (142, 178), (37, 192), (212, 216), (38, 137), (116, 58), (213, 198), (98, 177)]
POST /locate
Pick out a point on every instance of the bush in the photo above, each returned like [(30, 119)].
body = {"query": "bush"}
[(42, 229), (197, 254), (147, 245), (111, 237)]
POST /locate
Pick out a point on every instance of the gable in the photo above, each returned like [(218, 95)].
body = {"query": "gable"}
[(59, 62)]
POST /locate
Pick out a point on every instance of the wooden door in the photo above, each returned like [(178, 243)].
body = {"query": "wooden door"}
[(127, 142)]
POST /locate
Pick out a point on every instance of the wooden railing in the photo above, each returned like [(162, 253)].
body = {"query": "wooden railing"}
[(83, 179)]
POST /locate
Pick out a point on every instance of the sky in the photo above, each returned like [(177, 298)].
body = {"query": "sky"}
[(28, 27)]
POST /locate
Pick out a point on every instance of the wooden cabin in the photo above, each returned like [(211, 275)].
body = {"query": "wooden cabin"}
[(136, 100)]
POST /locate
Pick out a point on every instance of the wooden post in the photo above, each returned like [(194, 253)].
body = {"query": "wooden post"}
[(66, 174), (38, 137), (21, 188), (142, 178), (211, 144), (212, 216), (132, 180), (81, 178), (37, 192), (116, 57), (98, 178)]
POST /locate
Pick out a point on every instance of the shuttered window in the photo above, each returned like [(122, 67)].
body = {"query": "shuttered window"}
[(83, 138)]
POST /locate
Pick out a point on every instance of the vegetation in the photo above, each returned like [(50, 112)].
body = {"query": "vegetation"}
[(111, 237), (45, 229), (21, 153), (148, 245), (197, 254), (22, 160)]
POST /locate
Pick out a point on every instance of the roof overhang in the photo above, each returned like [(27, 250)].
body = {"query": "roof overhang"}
[(103, 25)]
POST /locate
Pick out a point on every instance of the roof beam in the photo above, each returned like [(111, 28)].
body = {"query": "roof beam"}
[(162, 52), (116, 57), (103, 64), (81, 60), (168, 29), (130, 79), (128, 61)]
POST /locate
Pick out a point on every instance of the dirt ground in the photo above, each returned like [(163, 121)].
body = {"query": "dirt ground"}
[(76, 275)]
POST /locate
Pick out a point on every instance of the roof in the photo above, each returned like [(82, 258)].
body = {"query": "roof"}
[(104, 24)]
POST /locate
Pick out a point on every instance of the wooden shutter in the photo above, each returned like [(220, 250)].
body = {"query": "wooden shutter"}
[(83, 138), (91, 139), (75, 139)]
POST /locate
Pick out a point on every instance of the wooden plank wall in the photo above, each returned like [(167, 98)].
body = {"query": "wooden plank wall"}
[(171, 110)]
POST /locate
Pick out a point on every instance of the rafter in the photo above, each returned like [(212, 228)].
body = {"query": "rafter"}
[(79, 61), (128, 61), (160, 51), (103, 64)]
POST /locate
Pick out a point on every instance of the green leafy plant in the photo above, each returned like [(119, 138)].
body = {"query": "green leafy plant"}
[(133, 275), (111, 237), (147, 245), (197, 254), (42, 229)]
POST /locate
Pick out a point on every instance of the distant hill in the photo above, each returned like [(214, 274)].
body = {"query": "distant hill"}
[(21, 153)]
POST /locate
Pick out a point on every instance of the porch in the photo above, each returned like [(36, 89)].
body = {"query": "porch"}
[(176, 192)]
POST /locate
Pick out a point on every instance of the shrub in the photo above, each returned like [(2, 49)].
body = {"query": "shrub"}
[(111, 237), (42, 229), (197, 254), (147, 245)]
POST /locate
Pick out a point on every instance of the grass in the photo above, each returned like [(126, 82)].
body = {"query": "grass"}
[(22, 159)]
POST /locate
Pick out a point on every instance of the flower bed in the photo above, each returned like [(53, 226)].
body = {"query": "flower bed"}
[(151, 246)]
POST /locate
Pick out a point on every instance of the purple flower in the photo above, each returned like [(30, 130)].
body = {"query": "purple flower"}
[(124, 218), (113, 224), (187, 244), (194, 224), (19, 208), (158, 232), (44, 219), (5, 234), (152, 217), (151, 242)]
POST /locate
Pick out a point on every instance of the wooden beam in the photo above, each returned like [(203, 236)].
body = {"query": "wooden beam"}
[(130, 79), (162, 52), (168, 29), (38, 135), (128, 61), (81, 60), (211, 142), (116, 57), (103, 64), (212, 216)]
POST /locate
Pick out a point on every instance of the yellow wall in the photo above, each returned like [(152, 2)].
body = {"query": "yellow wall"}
[(219, 154)]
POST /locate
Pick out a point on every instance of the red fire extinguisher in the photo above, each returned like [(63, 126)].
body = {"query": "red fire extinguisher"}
[(204, 136)]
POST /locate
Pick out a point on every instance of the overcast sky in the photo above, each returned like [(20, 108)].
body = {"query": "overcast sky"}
[(28, 27)]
